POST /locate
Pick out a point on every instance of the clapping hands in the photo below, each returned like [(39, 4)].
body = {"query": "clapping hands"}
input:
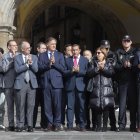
[(76, 68), (127, 64)]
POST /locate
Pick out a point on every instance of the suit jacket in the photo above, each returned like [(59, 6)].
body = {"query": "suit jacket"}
[(135, 65), (21, 68), (9, 71), (1, 75), (52, 74), (39, 76), (75, 80)]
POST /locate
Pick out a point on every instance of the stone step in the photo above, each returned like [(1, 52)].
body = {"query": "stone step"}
[(62, 135)]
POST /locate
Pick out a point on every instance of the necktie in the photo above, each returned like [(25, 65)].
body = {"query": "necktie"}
[(75, 61), (51, 55), (27, 76)]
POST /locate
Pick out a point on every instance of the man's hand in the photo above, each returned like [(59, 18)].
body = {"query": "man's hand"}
[(13, 53), (52, 60), (76, 68), (30, 59), (1, 55), (127, 64)]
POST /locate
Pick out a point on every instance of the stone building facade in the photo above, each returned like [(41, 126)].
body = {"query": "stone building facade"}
[(116, 18)]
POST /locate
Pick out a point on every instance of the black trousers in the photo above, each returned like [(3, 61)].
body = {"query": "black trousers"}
[(52, 105), (63, 107), (112, 117), (127, 99), (101, 117), (88, 117), (39, 101), (138, 105), (2, 106)]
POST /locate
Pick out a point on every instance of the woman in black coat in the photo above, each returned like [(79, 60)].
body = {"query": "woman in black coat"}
[(102, 96)]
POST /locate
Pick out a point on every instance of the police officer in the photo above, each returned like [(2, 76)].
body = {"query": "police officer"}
[(112, 58), (127, 85)]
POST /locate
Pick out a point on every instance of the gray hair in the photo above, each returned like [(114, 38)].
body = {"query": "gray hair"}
[(22, 44)]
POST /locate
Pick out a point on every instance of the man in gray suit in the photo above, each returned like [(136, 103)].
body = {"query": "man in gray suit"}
[(2, 95), (9, 77), (26, 65)]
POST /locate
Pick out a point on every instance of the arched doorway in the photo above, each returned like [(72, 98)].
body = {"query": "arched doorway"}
[(106, 24), (69, 26), (116, 17)]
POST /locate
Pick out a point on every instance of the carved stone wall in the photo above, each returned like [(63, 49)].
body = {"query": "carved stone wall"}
[(119, 16)]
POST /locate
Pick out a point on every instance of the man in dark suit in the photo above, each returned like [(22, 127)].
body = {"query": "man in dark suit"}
[(39, 100), (26, 65), (88, 54), (2, 95), (76, 67), (52, 64), (67, 53)]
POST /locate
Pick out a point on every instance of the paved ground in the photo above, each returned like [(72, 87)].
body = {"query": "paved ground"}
[(39, 135), (73, 135)]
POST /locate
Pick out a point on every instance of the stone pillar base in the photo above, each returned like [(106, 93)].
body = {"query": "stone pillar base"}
[(6, 33)]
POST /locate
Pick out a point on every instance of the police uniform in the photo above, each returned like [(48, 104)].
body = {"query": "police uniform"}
[(127, 86)]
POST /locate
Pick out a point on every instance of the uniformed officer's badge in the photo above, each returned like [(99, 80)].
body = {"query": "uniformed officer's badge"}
[(121, 57), (131, 56)]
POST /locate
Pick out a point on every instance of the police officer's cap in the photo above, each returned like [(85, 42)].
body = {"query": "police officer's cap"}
[(105, 43), (126, 37)]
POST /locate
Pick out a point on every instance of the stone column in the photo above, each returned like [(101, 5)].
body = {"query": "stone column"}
[(6, 33)]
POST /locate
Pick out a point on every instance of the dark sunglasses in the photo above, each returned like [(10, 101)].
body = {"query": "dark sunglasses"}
[(126, 40), (98, 52)]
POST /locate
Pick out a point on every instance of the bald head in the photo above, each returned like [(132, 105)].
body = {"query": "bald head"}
[(25, 47), (87, 54)]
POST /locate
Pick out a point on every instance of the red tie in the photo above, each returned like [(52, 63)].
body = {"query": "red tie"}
[(75, 61)]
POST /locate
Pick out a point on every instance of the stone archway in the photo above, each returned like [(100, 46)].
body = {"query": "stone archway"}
[(122, 20), (103, 15)]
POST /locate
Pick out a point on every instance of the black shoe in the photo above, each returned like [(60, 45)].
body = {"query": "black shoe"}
[(11, 128), (49, 128), (25, 128), (98, 129), (88, 127), (113, 128), (94, 128), (57, 128), (119, 129), (133, 130), (104, 129), (30, 129), (18, 129), (69, 129), (82, 129)]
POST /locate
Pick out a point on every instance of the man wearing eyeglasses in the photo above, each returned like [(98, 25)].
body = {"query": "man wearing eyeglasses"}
[(26, 65), (126, 83), (9, 77), (39, 100)]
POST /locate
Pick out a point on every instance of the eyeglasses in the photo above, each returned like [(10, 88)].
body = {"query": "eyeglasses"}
[(13, 45), (98, 53), (28, 48), (126, 41)]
